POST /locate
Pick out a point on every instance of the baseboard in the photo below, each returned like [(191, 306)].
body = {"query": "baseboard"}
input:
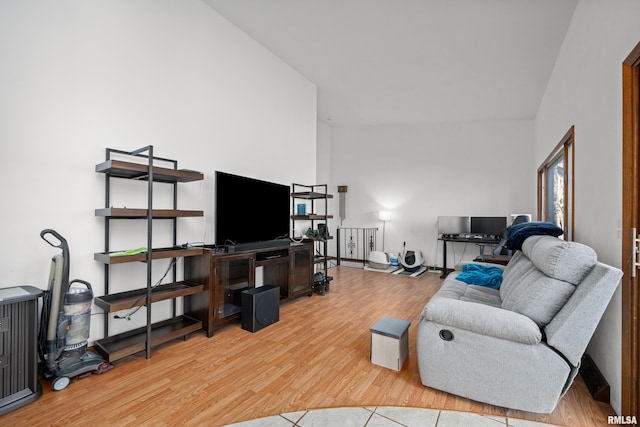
[(593, 378)]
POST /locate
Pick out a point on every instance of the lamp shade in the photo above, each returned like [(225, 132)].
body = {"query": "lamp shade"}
[(384, 216)]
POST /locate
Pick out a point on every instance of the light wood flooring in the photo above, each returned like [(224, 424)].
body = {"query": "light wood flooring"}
[(316, 356)]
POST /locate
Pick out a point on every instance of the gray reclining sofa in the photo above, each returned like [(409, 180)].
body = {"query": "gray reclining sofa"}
[(519, 346)]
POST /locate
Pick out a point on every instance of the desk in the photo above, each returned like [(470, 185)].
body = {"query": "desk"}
[(477, 240), (497, 259)]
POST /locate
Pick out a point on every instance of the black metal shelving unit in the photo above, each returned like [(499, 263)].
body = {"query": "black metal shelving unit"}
[(318, 196), (141, 165)]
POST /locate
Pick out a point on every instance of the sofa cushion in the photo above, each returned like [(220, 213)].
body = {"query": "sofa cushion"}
[(562, 260), (538, 296), (455, 289), (515, 275), (482, 295), (452, 288), (538, 281)]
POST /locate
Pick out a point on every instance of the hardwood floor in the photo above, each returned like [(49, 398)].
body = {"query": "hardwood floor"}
[(316, 356)]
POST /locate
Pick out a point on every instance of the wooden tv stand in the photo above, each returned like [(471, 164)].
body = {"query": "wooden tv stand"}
[(225, 275)]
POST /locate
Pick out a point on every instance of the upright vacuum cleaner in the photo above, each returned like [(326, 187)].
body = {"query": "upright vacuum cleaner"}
[(65, 321)]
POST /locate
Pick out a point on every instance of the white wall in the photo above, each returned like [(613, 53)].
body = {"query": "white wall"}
[(420, 172), (78, 76), (323, 154), (585, 90)]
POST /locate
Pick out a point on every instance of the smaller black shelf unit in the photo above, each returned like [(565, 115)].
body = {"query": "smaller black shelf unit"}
[(142, 165), (318, 196)]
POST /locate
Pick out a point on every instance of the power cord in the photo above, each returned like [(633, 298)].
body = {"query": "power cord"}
[(293, 239), (171, 264)]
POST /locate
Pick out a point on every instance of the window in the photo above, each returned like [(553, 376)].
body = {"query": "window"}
[(555, 186)]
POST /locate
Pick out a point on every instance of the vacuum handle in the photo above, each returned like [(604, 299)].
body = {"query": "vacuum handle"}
[(84, 282), (62, 243), (62, 277)]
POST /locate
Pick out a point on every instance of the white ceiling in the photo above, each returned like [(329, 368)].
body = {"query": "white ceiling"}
[(413, 61)]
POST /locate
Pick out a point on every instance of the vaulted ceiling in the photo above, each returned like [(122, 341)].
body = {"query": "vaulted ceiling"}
[(413, 61)]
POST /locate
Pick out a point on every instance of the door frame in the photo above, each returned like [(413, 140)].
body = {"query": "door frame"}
[(630, 209)]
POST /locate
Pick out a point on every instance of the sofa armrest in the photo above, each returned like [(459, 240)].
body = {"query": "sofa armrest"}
[(482, 319)]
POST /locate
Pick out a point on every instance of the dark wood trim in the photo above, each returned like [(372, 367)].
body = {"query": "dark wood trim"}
[(594, 380), (566, 139), (540, 195), (630, 205), (573, 181), (566, 147)]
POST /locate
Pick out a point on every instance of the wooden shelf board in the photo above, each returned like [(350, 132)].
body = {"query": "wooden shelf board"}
[(311, 195), (160, 253), (315, 239), (122, 169), (130, 299), (142, 213), (122, 345), (311, 217)]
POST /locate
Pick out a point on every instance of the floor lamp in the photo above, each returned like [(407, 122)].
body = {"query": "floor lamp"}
[(384, 216)]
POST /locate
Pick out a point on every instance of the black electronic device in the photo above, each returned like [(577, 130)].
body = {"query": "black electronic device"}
[(490, 226), (323, 233), (260, 307), (233, 294), (250, 210), (453, 226)]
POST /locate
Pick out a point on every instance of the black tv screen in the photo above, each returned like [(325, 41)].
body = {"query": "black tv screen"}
[(454, 225), (250, 210), (488, 225)]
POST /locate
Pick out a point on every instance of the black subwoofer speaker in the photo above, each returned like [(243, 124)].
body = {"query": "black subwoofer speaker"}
[(260, 307)]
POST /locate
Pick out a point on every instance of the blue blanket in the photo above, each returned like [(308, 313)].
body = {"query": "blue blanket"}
[(481, 275), (517, 234)]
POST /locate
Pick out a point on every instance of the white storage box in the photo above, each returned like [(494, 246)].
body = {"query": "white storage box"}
[(390, 342)]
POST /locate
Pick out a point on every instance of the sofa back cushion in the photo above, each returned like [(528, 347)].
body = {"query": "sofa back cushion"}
[(539, 280), (562, 260)]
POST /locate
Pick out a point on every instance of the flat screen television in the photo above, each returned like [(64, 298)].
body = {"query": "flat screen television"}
[(250, 211), (454, 225), (488, 225)]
